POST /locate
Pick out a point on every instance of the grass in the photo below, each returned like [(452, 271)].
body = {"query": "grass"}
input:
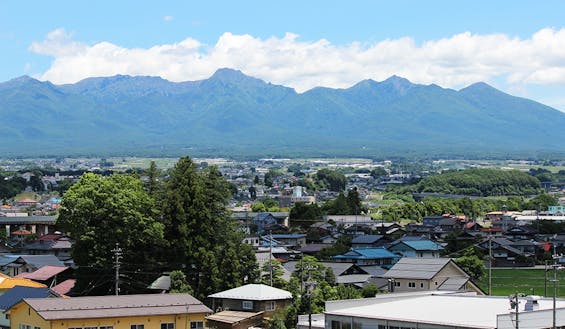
[(527, 281)]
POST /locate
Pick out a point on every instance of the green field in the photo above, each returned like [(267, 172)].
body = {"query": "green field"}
[(527, 281)]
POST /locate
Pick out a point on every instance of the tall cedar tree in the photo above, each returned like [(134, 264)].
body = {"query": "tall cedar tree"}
[(99, 212), (203, 241)]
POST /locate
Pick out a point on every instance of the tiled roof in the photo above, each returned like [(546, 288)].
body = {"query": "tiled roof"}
[(44, 273), (253, 292), (116, 306)]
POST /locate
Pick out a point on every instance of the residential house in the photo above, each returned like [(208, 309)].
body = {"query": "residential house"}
[(56, 244), (417, 248), (505, 253), (294, 240), (48, 275), (7, 283), (418, 274), (16, 294), (442, 310), (368, 256), (369, 241), (156, 311), (30, 263), (254, 302)]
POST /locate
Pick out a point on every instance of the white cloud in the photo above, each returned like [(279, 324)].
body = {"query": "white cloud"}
[(454, 62), (168, 18)]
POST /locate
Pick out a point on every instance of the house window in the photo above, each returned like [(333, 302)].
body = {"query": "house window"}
[(247, 305), (422, 285), (167, 326), (106, 327), (137, 326), (397, 283), (270, 305), (196, 325), (411, 284), (87, 328)]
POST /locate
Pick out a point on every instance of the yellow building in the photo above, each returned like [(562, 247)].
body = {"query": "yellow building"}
[(157, 311)]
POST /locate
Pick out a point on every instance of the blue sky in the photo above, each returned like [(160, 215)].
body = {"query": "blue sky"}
[(517, 46)]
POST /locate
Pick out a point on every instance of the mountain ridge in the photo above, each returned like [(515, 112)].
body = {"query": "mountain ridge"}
[(232, 113)]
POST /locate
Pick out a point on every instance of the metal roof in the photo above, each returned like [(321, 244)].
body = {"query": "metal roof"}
[(44, 273), (253, 292), (16, 294), (116, 306), (232, 317), (416, 268), (367, 253), (455, 311), (367, 238), (421, 245), (453, 283)]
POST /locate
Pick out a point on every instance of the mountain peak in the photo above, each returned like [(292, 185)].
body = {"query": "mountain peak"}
[(227, 74), (479, 88)]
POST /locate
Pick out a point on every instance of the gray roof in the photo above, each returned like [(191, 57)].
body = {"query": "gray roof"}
[(161, 283), (453, 284), (115, 306), (416, 268), (253, 292), (367, 239), (353, 278), (39, 261)]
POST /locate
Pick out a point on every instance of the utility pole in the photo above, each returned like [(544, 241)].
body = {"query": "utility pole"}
[(271, 257), (117, 263), (490, 262), (515, 304)]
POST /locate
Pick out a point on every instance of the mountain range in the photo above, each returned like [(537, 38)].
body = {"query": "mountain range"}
[(232, 114)]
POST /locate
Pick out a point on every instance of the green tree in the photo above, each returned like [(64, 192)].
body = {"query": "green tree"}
[(472, 265), (153, 173), (277, 274), (258, 207), (99, 212), (202, 238), (178, 283), (331, 179)]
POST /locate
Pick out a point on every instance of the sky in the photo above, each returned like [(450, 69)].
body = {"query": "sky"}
[(516, 46)]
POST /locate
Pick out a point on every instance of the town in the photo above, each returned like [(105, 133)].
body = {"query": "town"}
[(316, 243)]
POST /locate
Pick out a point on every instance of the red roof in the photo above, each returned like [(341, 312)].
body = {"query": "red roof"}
[(27, 201), (64, 287), (44, 273)]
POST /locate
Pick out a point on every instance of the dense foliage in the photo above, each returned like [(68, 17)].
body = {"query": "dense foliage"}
[(481, 182), (330, 179), (100, 212), (177, 224)]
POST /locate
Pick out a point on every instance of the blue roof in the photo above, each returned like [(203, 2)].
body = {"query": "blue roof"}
[(289, 236), (422, 245), (367, 253), (368, 238), (16, 294)]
